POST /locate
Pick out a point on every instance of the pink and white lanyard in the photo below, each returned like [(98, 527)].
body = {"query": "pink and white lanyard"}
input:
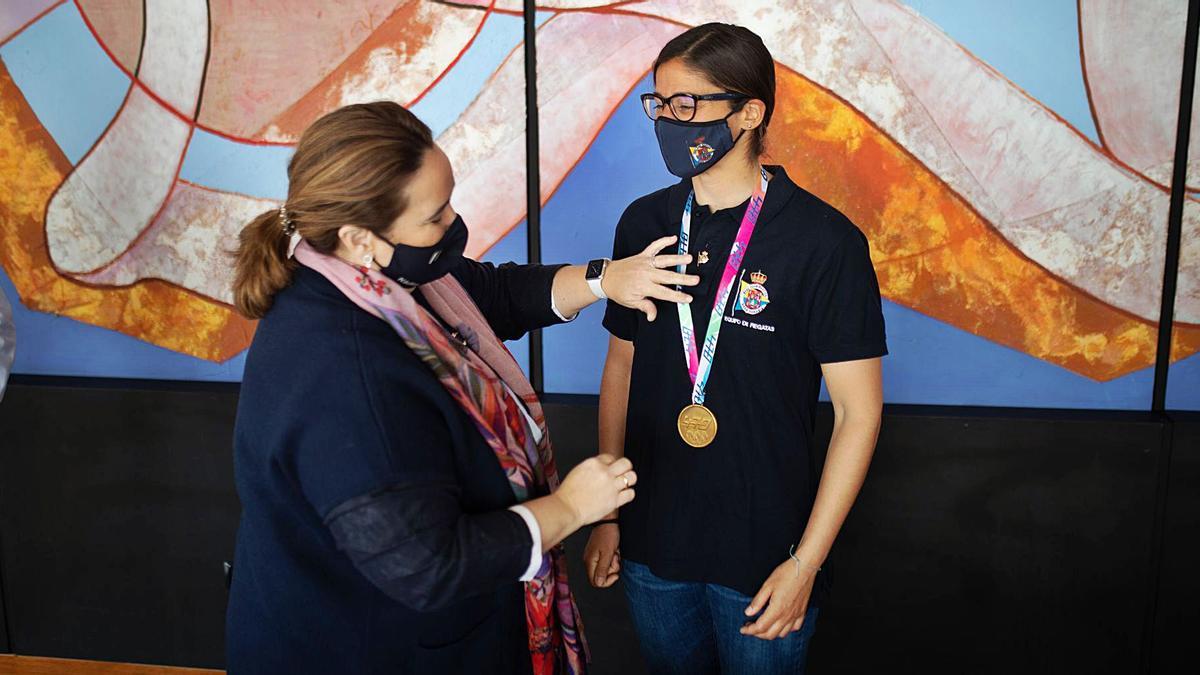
[(699, 364)]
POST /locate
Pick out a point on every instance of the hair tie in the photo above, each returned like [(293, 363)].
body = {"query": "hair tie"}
[(289, 230), (289, 227)]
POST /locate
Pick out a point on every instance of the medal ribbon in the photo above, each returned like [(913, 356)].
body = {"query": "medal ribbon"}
[(699, 364)]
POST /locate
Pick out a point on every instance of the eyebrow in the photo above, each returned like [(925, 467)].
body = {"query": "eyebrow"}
[(439, 211), (689, 93)]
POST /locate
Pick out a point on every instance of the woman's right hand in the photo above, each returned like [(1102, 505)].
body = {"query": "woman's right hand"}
[(602, 557), (598, 486)]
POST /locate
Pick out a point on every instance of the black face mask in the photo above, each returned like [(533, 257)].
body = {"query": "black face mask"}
[(412, 266), (690, 148)]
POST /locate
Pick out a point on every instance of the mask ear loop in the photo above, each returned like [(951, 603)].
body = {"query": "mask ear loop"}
[(740, 104)]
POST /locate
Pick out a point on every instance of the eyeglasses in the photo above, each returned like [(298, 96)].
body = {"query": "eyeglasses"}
[(683, 106)]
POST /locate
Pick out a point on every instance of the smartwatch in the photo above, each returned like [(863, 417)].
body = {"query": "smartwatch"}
[(595, 274)]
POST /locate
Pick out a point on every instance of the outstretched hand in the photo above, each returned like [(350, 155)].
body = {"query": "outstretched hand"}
[(638, 280)]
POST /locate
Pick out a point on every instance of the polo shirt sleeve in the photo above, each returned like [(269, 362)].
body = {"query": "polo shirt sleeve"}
[(379, 471), (846, 318), (620, 321), (514, 299)]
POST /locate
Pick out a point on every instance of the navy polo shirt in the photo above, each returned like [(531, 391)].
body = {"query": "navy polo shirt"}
[(806, 295)]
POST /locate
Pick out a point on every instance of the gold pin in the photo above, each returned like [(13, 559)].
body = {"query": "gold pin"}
[(703, 257)]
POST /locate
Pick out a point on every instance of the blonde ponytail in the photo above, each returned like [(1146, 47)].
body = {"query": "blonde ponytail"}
[(261, 266), (350, 167)]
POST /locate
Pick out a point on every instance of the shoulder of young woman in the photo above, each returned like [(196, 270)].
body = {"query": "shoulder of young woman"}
[(826, 227)]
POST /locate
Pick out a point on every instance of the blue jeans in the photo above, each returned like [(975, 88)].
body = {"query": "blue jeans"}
[(693, 628)]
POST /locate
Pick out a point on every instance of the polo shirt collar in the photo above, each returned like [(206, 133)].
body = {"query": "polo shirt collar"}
[(779, 193)]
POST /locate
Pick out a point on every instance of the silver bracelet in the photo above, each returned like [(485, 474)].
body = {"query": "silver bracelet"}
[(800, 565)]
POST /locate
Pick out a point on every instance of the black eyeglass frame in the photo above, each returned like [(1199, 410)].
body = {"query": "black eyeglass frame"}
[(669, 102)]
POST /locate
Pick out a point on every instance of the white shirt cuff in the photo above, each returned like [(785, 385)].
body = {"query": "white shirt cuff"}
[(558, 313), (535, 555)]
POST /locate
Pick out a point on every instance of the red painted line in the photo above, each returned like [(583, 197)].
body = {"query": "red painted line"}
[(545, 199), (1087, 87), (153, 219), (30, 22), (158, 99), (74, 168), (219, 191), (142, 281), (1100, 149), (454, 62)]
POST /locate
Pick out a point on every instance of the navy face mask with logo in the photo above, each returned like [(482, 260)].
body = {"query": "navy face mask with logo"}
[(415, 265), (690, 148)]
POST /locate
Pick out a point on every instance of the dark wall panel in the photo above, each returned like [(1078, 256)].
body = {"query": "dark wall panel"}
[(997, 545), (4, 644), (1178, 615), (984, 541), (117, 508)]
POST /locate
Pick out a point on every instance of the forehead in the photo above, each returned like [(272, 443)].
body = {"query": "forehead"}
[(674, 77), (434, 179)]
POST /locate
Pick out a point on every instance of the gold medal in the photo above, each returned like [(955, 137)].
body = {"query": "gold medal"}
[(697, 426)]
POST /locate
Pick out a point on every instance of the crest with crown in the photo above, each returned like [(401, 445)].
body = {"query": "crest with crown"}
[(758, 278)]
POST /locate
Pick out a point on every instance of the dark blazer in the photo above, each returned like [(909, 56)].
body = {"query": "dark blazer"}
[(375, 534)]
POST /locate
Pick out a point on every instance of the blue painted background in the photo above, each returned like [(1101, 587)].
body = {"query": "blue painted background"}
[(75, 91)]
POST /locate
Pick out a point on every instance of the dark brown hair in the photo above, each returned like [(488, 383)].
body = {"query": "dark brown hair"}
[(733, 58), (350, 168)]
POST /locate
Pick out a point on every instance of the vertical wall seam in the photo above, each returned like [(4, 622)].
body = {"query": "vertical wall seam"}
[(533, 196), (1162, 362)]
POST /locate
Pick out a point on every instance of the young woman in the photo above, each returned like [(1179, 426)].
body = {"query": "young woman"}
[(721, 554), (395, 473)]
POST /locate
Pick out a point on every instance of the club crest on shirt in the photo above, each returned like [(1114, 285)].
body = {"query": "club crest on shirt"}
[(701, 152), (752, 297)]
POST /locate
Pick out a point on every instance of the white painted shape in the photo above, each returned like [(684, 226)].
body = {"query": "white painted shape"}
[(114, 193), (1109, 245), (191, 244), (176, 46)]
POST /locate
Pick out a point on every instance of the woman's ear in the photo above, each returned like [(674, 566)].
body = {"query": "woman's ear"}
[(354, 238), (753, 113)]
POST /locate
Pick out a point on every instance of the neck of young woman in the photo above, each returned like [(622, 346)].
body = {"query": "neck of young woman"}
[(728, 183)]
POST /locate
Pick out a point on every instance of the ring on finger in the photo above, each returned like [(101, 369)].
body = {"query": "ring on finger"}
[(625, 478)]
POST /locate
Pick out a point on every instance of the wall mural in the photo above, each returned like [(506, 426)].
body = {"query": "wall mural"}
[(988, 211)]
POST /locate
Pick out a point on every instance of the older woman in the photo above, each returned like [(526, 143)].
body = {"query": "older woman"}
[(401, 508)]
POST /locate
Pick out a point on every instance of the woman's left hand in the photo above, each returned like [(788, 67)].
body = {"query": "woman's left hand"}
[(785, 594), (636, 281)]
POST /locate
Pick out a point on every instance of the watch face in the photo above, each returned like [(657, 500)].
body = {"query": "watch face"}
[(594, 269)]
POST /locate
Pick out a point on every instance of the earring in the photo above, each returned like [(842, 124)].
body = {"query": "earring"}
[(368, 260)]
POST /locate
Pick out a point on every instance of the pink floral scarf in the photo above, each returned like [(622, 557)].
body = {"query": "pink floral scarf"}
[(476, 378)]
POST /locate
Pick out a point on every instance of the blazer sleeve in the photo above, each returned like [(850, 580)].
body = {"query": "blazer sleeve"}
[(514, 299), (380, 471)]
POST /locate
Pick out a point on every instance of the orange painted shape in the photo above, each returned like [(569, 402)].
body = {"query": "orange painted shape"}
[(936, 255), (31, 167)]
